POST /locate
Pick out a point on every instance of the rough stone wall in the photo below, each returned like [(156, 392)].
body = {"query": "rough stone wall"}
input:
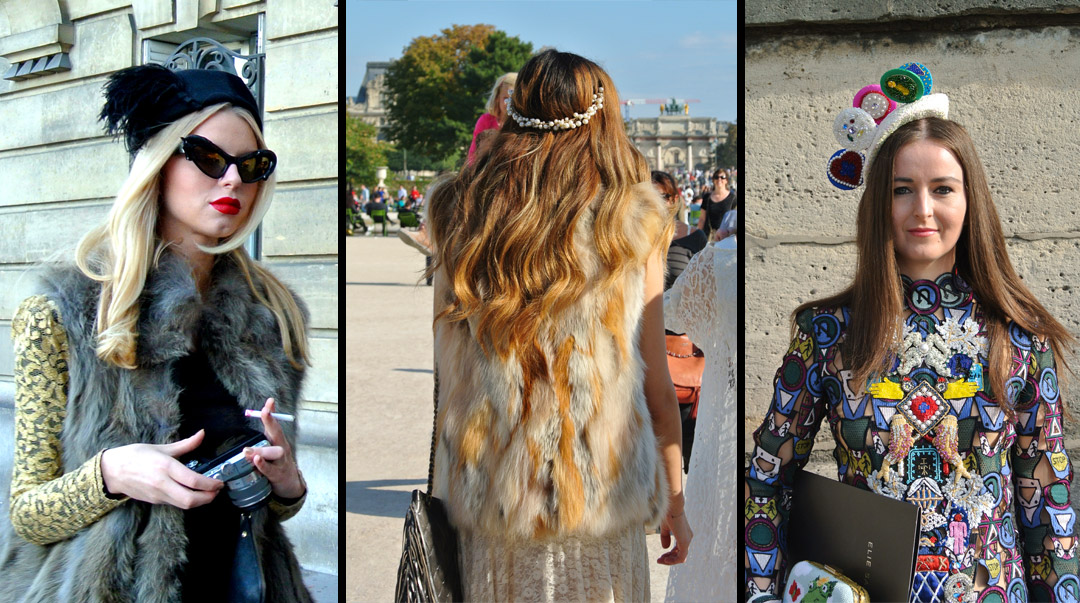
[(59, 173), (1009, 69)]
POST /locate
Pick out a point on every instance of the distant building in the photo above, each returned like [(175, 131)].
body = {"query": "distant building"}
[(678, 141), (368, 104)]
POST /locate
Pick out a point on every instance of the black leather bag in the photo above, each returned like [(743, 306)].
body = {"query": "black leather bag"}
[(247, 584), (428, 570)]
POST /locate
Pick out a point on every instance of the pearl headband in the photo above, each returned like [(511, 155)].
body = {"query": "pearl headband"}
[(566, 123), (878, 111)]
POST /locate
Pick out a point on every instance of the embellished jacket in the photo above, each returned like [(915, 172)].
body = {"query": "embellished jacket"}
[(571, 455), (996, 516), (133, 551)]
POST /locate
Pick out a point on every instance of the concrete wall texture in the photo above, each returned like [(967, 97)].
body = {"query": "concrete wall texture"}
[(60, 173), (1009, 69)]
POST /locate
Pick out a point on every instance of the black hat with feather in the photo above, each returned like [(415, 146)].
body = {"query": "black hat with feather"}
[(140, 101)]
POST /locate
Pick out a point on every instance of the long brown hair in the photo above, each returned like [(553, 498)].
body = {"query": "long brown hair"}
[(876, 296), (503, 228)]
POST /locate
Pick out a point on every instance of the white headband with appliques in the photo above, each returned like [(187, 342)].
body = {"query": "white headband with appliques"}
[(877, 111)]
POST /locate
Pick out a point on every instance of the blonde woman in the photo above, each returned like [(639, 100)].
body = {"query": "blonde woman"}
[(494, 114), (148, 349), (486, 127), (558, 427)]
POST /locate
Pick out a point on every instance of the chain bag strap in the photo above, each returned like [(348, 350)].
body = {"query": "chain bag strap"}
[(428, 570)]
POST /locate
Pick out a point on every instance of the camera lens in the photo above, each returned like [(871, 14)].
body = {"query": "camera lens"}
[(248, 488)]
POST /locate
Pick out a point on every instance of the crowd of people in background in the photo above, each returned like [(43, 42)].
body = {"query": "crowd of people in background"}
[(364, 208)]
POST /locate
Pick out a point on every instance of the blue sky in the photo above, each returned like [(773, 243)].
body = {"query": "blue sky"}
[(651, 48)]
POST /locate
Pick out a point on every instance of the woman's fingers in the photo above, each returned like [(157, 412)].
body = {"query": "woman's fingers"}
[(177, 495), (269, 453), (680, 529), (271, 427), (189, 479), (184, 446)]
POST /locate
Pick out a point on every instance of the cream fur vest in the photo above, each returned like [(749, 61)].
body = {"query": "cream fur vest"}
[(578, 456), (133, 552)]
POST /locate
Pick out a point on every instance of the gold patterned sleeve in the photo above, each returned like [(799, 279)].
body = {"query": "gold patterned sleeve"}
[(47, 505), (285, 509)]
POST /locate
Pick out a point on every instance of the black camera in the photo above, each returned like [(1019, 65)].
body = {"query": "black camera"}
[(248, 488)]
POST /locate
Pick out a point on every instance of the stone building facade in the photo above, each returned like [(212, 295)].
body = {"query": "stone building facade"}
[(1009, 73), (678, 141), (60, 173), (368, 104)]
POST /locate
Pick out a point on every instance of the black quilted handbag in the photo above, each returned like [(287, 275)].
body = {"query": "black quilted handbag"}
[(428, 570)]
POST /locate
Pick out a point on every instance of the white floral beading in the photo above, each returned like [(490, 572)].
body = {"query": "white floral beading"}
[(915, 350), (970, 495), (963, 337), (566, 123)]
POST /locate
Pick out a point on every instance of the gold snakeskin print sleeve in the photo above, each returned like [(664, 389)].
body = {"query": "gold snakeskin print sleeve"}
[(285, 510), (47, 505)]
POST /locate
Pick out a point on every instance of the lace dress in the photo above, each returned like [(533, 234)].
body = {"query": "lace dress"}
[(607, 568), (702, 303)]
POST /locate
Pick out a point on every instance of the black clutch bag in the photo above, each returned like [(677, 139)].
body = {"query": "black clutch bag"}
[(428, 570)]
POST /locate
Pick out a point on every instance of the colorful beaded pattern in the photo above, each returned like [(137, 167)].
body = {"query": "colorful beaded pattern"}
[(877, 110), (994, 491)]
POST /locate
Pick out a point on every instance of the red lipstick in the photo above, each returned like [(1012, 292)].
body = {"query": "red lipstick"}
[(226, 205)]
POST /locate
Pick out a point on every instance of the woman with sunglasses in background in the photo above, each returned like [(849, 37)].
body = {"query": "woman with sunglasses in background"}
[(148, 349), (716, 203)]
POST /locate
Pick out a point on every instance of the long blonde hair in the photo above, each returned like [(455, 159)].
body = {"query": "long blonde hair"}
[(504, 226), (506, 79), (120, 252)]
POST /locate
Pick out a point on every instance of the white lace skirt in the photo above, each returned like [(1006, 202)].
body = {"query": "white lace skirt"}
[(611, 568)]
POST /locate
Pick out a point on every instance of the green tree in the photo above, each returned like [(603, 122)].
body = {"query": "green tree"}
[(727, 154), (500, 54), (398, 159), (436, 90), (362, 152)]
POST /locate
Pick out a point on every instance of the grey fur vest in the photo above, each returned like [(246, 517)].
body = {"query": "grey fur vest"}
[(133, 553)]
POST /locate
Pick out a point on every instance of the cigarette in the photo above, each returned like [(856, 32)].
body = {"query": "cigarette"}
[(280, 416)]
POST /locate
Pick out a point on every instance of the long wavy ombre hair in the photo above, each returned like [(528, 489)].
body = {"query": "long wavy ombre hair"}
[(876, 296), (121, 252), (504, 227)]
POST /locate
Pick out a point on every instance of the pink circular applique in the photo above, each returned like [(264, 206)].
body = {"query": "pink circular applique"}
[(872, 100)]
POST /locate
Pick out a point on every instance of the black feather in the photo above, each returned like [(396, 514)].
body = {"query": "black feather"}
[(132, 99)]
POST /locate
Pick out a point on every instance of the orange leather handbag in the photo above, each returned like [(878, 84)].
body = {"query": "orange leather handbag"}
[(686, 363)]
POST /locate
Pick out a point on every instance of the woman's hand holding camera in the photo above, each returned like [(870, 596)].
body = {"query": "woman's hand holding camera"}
[(276, 461), (151, 473)]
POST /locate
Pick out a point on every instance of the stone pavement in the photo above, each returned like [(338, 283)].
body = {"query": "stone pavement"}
[(388, 410), (323, 587)]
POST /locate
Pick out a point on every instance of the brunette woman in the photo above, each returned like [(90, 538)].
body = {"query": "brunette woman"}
[(715, 203), (558, 427), (936, 369)]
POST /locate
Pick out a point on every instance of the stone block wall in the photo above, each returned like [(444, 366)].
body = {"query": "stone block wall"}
[(59, 173), (1009, 69)]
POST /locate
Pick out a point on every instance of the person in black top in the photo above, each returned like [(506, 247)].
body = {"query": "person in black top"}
[(715, 204)]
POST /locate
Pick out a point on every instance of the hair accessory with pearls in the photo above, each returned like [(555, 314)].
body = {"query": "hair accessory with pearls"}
[(566, 123), (878, 110)]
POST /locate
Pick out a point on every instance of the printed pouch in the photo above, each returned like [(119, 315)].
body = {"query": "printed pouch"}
[(810, 582)]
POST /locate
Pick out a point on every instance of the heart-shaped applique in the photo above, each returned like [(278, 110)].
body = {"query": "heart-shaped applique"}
[(923, 407), (845, 169)]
